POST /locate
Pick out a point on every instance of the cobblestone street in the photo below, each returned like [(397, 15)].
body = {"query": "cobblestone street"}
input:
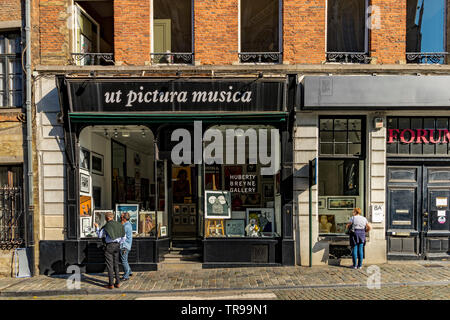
[(414, 281)]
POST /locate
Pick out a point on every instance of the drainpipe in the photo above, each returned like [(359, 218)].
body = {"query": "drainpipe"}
[(29, 230)]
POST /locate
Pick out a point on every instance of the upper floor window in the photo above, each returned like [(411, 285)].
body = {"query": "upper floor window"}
[(10, 70), (260, 25), (426, 31), (172, 31), (93, 33), (347, 34)]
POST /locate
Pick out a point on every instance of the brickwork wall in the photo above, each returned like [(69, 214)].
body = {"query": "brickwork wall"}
[(132, 32), (216, 32), (304, 31), (54, 32), (10, 10), (388, 43)]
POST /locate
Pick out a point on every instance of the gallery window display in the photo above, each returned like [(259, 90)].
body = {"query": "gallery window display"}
[(117, 174), (341, 172), (241, 198)]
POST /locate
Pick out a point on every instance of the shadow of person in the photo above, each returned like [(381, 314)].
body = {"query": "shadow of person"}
[(93, 281)]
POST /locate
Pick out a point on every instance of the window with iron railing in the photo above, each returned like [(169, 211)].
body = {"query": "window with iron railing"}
[(172, 32), (426, 31), (12, 228), (10, 70), (260, 31), (93, 33), (347, 32)]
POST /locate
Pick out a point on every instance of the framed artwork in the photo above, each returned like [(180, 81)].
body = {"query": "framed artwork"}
[(97, 195), (181, 184), (235, 228), (133, 210), (184, 209), (97, 163), (184, 220), (85, 206), (163, 231), (147, 222), (100, 217), (265, 218), (85, 183), (217, 204), (176, 209), (327, 223), (86, 229), (85, 159), (176, 220), (341, 203), (192, 220), (193, 209), (322, 203)]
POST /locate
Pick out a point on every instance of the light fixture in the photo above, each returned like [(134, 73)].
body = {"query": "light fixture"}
[(143, 133), (116, 134), (125, 134), (106, 133)]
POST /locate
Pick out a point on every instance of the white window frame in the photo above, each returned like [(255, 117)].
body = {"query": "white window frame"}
[(75, 13)]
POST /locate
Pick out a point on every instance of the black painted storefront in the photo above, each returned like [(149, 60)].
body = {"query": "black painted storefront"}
[(82, 105)]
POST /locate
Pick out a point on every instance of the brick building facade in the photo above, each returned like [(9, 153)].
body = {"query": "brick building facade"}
[(309, 43)]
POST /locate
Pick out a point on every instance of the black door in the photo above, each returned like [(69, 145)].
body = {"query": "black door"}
[(436, 226), (417, 212)]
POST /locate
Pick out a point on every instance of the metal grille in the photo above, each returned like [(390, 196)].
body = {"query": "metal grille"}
[(11, 218)]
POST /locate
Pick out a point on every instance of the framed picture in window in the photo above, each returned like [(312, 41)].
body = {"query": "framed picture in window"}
[(264, 217), (85, 159), (133, 210), (100, 217), (97, 163), (85, 183), (341, 203), (86, 229), (85, 206)]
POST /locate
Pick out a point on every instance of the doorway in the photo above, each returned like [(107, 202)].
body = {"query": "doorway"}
[(418, 211)]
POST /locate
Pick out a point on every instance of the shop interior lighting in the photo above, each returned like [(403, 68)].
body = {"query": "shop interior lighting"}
[(126, 134), (106, 133), (116, 134), (143, 133)]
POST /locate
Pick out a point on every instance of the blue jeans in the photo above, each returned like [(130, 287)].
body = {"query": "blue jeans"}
[(358, 254), (126, 267)]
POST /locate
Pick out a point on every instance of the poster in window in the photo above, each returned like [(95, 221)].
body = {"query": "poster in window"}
[(217, 205), (85, 159), (181, 177), (85, 183), (265, 218), (133, 210), (147, 223), (230, 171), (86, 229), (351, 177), (327, 224), (100, 217), (97, 163), (341, 203), (85, 206)]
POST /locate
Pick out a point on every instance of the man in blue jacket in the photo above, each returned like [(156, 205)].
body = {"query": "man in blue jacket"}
[(125, 246)]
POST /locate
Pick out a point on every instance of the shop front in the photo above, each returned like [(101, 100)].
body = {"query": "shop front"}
[(201, 162), (381, 144)]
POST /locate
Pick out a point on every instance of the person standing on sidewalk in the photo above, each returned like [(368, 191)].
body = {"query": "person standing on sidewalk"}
[(114, 235), (359, 226), (125, 246)]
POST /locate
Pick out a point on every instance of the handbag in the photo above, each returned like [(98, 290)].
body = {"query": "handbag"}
[(350, 229)]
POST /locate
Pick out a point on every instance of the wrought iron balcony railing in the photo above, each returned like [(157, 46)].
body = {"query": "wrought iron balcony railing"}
[(12, 228), (426, 57), (173, 57), (348, 57), (260, 57), (92, 59)]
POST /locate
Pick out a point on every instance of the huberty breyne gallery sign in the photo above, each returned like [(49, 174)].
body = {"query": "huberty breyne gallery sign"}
[(127, 95)]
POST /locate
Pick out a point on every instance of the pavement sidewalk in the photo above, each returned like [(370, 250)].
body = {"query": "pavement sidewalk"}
[(215, 280)]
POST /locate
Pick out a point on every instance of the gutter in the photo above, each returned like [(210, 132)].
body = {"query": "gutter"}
[(29, 228)]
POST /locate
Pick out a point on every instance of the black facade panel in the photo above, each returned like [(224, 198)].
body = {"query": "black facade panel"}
[(239, 251), (51, 257), (146, 252)]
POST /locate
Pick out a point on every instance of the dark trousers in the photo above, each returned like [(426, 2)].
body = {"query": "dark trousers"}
[(112, 262)]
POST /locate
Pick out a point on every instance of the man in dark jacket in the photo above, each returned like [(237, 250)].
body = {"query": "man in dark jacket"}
[(114, 234)]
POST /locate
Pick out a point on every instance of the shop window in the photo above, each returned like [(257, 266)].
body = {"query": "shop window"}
[(11, 176), (426, 31), (93, 33), (260, 25), (418, 136), (172, 32), (10, 70), (117, 173), (347, 34), (341, 172), (235, 182)]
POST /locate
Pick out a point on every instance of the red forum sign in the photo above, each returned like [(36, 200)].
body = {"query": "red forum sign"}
[(418, 136)]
